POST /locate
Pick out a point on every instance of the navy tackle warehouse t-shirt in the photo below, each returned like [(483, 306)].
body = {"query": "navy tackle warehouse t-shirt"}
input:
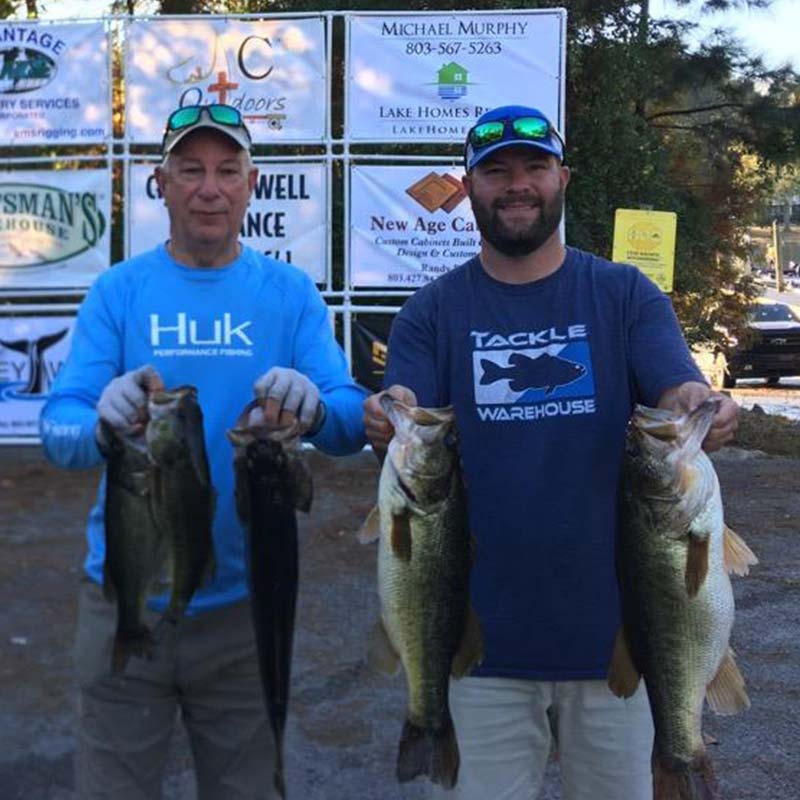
[(543, 377)]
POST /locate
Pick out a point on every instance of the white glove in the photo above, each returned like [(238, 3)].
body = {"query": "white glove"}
[(123, 401), (287, 390)]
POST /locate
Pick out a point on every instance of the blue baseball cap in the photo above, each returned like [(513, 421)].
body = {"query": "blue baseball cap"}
[(543, 136)]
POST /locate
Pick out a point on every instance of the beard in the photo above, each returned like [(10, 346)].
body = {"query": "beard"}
[(519, 241)]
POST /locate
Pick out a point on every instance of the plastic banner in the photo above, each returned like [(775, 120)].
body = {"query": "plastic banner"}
[(53, 84), (32, 351), (646, 239), (408, 224), (273, 71), (286, 218), (370, 336), (427, 77), (54, 228)]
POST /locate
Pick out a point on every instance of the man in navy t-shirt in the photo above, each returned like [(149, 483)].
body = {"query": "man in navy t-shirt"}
[(542, 350)]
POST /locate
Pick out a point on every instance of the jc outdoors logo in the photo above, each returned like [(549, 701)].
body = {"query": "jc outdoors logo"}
[(226, 71), (25, 69)]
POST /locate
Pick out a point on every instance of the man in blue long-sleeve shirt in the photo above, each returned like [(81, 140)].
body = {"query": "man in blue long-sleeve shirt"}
[(204, 310)]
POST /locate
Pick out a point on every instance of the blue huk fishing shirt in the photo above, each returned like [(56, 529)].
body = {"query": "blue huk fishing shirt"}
[(215, 329), (543, 377)]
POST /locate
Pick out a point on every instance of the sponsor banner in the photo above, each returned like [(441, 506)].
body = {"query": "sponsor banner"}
[(53, 84), (32, 351), (273, 71), (646, 239), (427, 77), (370, 335), (286, 218), (408, 224), (54, 228)]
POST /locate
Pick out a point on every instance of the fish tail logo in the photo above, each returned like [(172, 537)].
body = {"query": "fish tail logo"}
[(34, 350)]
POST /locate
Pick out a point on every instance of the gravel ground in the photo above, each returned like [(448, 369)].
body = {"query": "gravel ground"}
[(345, 720)]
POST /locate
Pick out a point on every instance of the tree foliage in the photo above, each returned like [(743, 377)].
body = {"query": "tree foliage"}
[(707, 132)]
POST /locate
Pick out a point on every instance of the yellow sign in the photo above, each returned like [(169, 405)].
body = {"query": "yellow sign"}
[(646, 239)]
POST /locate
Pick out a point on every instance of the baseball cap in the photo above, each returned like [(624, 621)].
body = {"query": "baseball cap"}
[(511, 125), (219, 117)]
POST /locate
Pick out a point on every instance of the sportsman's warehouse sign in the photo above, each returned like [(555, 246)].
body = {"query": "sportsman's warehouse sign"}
[(54, 228)]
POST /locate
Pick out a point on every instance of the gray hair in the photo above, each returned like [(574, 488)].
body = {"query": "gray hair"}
[(248, 161)]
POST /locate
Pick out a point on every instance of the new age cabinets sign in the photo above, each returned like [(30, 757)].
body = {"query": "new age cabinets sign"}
[(408, 224), (273, 71), (53, 84), (427, 77)]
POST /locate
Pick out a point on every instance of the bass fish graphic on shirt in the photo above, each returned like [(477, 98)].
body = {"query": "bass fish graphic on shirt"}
[(524, 372)]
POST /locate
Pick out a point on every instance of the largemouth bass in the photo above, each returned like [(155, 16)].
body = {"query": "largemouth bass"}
[(424, 560), (135, 549), (272, 480), (674, 554), (183, 497)]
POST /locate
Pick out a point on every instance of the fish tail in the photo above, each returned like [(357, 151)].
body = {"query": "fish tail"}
[(428, 752), (138, 642), (278, 780), (491, 372), (673, 780)]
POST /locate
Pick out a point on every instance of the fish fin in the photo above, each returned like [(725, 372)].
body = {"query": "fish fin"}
[(278, 779), (726, 693), (470, 651), (623, 677), (738, 556), (241, 489), (370, 530), (109, 590), (381, 654), (674, 780), (696, 564), (401, 535), (195, 440), (138, 642), (302, 485), (428, 752)]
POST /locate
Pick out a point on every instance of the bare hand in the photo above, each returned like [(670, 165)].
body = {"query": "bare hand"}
[(376, 423), (691, 394)]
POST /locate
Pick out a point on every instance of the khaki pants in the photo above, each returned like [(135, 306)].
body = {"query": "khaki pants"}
[(206, 667), (504, 736)]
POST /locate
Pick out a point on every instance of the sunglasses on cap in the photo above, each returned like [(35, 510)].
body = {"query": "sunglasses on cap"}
[(187, 116), (527, 128)]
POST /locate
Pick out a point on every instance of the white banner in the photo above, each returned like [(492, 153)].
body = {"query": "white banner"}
[(53, 84), (54, 227), (427, 77), (273, 71), (408, 225), (286, 218), (32, 351)]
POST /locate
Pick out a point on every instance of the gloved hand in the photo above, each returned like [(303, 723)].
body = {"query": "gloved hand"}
[(287, 391), (123, 403)]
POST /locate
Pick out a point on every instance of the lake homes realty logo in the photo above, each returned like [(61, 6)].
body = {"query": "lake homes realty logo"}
[(42, 225)]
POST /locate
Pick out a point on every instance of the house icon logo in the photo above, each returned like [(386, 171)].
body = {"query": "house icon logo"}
[(452, 81)]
